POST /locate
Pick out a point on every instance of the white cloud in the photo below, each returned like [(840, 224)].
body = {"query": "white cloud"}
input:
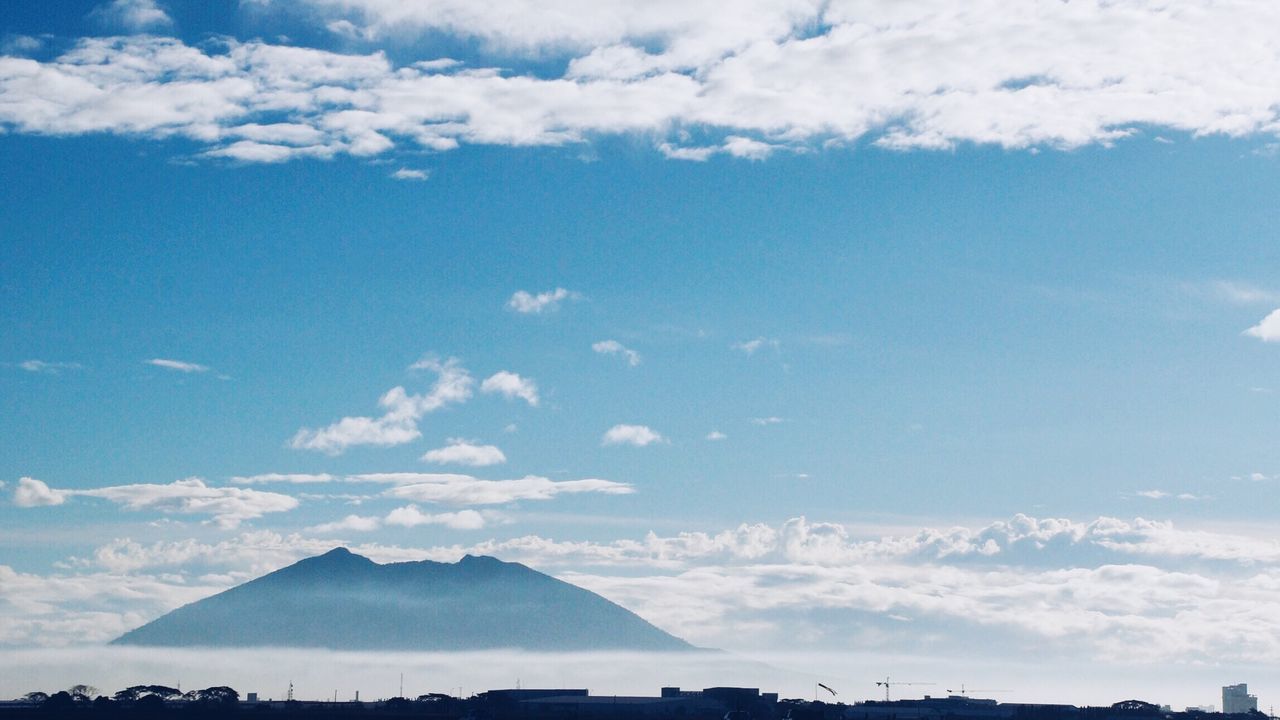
[(35, 493), (716, 435), (399, 424), (613, 347), (1152, 494), (771, 420), (409, 174), (510, 385), (294, 478), (526, 303), (411, 516), (637, 435), (455, 489), (1241, 293), (350, 523), (178, 365), (227, 506), (462, 452), (751, 346), (51, 368), (1268, 330), (133, 15), (788, 74)]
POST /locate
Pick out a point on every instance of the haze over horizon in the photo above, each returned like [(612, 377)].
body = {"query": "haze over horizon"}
[(934, 335)]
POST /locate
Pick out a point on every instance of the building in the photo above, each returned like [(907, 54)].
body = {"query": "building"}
[(1236, 699)]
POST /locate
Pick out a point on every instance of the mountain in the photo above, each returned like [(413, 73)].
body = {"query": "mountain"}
[(345, 601)]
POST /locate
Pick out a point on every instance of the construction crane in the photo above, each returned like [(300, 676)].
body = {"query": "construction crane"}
[(964, 692), (886, 684)]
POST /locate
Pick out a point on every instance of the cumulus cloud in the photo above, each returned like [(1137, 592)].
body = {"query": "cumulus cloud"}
[(31, 492), (463, 452), (133, 15), (178, 365), (1268, 330), (751, 346), (399, 424), (409, 174), (527, 303), (510, 385), (411, 516), (637, 435), (789, 74), (613, 347)]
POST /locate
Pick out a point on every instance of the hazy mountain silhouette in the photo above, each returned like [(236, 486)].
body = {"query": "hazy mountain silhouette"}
[(345, 601)]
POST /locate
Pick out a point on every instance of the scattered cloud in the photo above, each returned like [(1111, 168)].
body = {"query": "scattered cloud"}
[(50, 368), (410, 174), (178, 365), (1152, 494), (751, 346), (637, 435), (510, 385), (31, 492), (293, 478), (454, 489), (613, 347), (399, 424), (716, 435), (527, 303), (411, 516), (463, 452), (133, 15), (1268, 330), (228, 506), (771, 420)]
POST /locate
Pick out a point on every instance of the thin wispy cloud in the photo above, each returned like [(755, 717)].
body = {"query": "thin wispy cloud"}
[(527, 303), (613, 347), (467, 490), (227, 506), (750, 347), (290, 478), (716, 435), (178, 365), (49, 368), (770, 420)]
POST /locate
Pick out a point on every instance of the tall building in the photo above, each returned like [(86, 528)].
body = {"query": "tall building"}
[(1236, 699)]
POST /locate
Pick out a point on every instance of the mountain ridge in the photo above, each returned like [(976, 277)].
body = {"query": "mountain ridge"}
[(343, 600)]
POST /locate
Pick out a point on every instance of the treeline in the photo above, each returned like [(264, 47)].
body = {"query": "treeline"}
[(137, 698)]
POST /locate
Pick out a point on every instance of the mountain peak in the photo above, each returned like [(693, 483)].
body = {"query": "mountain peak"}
[(342, 600)]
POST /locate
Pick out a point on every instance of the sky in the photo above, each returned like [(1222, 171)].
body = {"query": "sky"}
[(940, 335)]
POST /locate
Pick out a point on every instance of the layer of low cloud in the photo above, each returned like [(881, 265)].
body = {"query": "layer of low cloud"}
[(467, 490), (464, 452), (527, 303), (412, 516), (613, 347), (635, 435), (399, 423), (511, 386), (777, 74), (293, 478)]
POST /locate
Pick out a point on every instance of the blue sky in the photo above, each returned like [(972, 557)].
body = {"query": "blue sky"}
[(1016, 312)]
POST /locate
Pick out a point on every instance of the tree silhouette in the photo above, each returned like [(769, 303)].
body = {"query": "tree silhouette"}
[(36, 697), (82, 693)]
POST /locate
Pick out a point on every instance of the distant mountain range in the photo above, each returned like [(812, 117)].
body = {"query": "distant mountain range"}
[(344, 601)]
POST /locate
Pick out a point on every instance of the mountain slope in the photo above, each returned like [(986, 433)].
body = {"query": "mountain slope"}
[(345, 601)]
